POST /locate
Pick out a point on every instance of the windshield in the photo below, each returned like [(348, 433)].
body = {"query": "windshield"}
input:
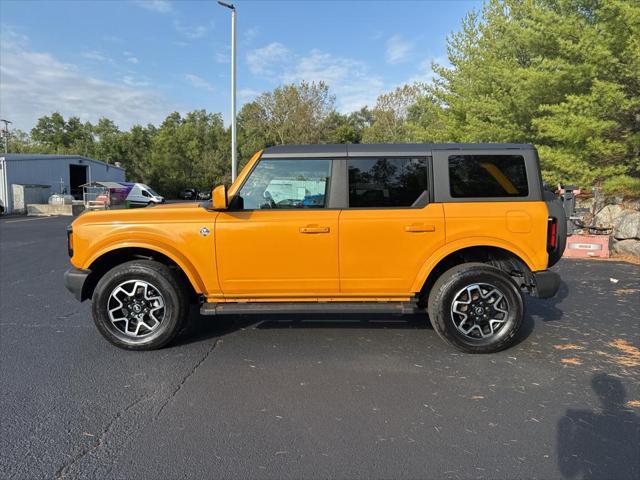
[(152, 192)]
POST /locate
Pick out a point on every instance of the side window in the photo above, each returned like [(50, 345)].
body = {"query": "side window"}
[(286, 184), (387, 182), (487, 176), (145, 193)]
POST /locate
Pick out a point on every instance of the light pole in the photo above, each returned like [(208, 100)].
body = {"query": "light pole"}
[(6, 134), (234, 153)]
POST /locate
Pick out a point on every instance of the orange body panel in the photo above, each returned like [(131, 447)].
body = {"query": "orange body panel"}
[(172, 230), (381, 251), (312, 254), (278, 252)]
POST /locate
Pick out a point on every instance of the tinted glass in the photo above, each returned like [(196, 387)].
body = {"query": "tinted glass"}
[(287, 184), (487, 176), (387, 182)]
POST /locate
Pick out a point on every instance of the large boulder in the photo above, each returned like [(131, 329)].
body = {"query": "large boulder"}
[(627, 247), (608, 215), (627, 225)]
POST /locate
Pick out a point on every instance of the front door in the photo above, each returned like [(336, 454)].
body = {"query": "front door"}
[(278, 239), (390, 229)]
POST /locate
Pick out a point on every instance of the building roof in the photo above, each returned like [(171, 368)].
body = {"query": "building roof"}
[(9, 157), (362, 150), (109, 185)]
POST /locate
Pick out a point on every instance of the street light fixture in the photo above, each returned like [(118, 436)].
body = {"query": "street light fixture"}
[(234, 153)]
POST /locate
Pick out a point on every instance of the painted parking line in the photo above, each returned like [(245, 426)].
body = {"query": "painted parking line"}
[(30, 219)]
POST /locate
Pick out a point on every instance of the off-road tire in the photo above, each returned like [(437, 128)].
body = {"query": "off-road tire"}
[(164, 280), (450, 283)]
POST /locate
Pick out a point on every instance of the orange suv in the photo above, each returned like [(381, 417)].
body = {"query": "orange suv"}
[(458, 230)]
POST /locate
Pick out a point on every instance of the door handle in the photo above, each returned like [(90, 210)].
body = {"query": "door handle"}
[(314, 229), (419, 227)]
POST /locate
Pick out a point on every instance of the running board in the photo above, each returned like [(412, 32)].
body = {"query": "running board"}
[(268, 308)]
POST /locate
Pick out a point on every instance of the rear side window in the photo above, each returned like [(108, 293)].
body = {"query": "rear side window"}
[(387, 182), (487, 176)]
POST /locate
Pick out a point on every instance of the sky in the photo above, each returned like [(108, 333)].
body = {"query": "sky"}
[(137, 61)]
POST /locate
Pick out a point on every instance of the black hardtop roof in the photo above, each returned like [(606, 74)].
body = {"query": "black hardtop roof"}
[(376, 149)]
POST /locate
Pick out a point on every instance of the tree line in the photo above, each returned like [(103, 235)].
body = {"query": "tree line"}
[(561, 74)]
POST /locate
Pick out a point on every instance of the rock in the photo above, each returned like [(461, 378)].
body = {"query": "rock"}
[(627, 247), (627, 225), (631, 204), (584, 203), (607, 216)]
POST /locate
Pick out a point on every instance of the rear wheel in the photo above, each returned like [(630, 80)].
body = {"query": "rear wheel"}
[(140, 305), (476, 307)]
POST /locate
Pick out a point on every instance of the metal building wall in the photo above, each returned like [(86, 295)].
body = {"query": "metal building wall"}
[(49, 171)]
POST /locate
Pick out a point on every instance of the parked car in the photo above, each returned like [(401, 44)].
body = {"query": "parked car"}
[(455, 230), (188, 194)]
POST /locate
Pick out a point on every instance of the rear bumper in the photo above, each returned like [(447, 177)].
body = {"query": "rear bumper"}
[(545, 284), (74, 281)]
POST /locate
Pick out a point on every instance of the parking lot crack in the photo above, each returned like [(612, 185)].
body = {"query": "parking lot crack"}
[(99, 441), (184, 380)]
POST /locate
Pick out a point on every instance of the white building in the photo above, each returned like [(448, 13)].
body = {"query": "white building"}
[(60, 173)]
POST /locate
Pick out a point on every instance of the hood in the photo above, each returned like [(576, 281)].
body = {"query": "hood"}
[(156, 213)]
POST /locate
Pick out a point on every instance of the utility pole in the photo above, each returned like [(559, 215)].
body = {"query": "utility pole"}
[(5, 134), (234, 152)]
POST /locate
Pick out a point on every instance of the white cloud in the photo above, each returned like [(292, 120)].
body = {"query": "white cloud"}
[(398, 50), (95, 55), (191, 32), (247, 94), (131, 58), (350, 80), (133, 82), (250, 34), (199, 82), (223, 57), (160, 6), (425, 72), (37, 83), (265, 60)]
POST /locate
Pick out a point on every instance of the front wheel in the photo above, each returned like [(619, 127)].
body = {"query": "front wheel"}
[(140, 305), (476, 307)]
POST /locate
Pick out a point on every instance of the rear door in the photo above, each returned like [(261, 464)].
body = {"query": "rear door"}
[(390, 227)]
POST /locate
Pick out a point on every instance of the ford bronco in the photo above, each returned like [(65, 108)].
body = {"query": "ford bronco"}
[(458, 230)]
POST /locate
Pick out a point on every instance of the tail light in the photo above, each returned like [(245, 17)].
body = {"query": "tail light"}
[(70, 240), (552, 234)]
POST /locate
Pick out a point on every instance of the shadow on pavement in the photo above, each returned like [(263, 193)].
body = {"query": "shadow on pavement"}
[(604, 444), (201, 328)]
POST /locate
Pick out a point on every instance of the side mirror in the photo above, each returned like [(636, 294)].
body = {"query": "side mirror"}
[(219, 197)]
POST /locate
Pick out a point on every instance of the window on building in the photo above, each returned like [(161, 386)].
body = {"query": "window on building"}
[(387, 182)]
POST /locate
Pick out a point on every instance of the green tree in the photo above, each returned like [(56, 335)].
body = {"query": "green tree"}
[(50, 133), (295, 113), (563, 74), (189, 152), (390, 115), (109, 141)]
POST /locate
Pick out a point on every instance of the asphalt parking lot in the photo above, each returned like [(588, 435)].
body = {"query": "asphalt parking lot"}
[(314, 397)]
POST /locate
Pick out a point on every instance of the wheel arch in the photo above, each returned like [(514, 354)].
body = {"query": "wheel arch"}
[(503, 258), (109, 258)]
